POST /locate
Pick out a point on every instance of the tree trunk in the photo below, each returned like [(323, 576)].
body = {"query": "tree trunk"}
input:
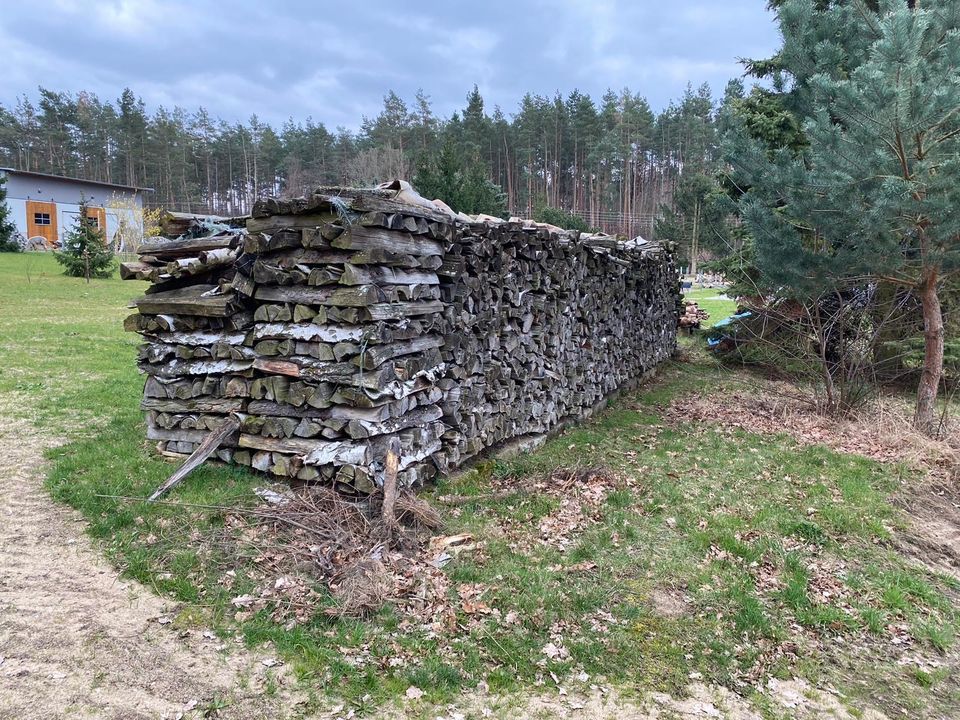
[(695, 240), (926, 416)]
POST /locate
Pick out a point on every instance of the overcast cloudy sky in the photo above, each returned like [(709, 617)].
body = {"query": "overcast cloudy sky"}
[(335, 61)]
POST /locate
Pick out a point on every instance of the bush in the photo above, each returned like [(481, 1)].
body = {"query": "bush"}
[(826, 345), (85, 253), (9, 244), (8, 233), (562, 219)]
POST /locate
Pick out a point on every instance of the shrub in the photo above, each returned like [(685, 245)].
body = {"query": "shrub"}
[(561, 218), (8, 241)]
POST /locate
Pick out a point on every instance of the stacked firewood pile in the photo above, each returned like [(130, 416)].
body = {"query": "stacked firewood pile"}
[(351, 322), (542, 324), (693, 316)]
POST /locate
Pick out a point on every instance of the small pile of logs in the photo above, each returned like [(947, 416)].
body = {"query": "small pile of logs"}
[(693, 316), (173, 264), (179, 224), (342, 324)]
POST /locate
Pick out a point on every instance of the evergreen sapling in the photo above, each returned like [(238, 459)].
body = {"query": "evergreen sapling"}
[(84, 252)]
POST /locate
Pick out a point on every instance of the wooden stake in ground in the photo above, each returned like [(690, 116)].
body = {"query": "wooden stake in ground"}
[(389, 512), (203, 451)]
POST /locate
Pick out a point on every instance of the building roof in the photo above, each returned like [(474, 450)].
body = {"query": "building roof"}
[(83, 180)]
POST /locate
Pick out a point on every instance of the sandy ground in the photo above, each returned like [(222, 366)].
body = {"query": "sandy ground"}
[(77, 642), (792, 699)]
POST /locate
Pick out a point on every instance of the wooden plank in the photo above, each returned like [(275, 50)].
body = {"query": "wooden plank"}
[(364, 200), (378, 354), (200, 338), (296, 294), (316, 452), (326, 296), (270, 408), (281, 222), (400, 310), (308, 332), (357, 275), (164, 247), (200, 405), (179, 368), (207, 447), (187, 301), (402, 243)]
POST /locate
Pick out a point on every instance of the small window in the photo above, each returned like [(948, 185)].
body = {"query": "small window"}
[(41, 218), (94, 220)]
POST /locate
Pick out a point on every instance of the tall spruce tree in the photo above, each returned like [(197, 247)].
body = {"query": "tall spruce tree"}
[(7, 228), (873, 190)]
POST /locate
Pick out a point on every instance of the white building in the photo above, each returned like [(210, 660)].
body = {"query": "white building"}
[(45, 207)]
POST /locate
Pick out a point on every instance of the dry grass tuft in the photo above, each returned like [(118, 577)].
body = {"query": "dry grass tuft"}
[(891, 422), (882, 431), (414, 511), (361, 588)]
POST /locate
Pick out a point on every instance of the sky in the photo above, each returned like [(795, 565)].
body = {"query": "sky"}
[(334, 62)]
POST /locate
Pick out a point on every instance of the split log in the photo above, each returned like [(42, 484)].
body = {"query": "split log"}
[(191, 300), (373, 239), (164, 248)]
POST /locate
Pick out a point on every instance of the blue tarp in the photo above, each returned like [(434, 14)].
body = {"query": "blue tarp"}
[(732, 319)]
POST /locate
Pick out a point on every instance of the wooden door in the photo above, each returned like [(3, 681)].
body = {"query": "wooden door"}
[(98, 216), (42, 221)]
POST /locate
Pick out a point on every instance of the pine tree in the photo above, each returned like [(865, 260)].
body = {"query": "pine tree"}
[(461, 183), (84, 253), (697, 222), (561, 218), (873, 191), (7, 228)]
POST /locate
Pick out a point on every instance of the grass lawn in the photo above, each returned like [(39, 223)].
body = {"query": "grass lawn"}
[(717, 552), (714, 302)]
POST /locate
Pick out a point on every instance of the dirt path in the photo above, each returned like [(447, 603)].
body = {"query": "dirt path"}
[(75, 641)]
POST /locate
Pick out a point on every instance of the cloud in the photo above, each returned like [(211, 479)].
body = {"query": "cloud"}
[(132, 18), (683, 70), (300, 58)]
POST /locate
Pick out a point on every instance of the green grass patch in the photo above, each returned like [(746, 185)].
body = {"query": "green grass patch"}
[(714, 302), (743, 531)]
